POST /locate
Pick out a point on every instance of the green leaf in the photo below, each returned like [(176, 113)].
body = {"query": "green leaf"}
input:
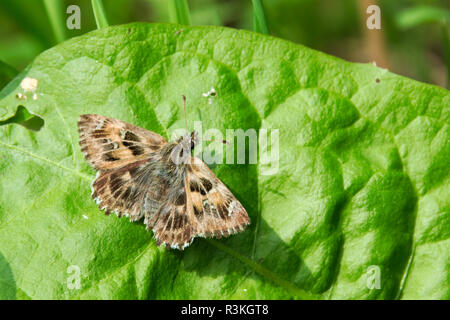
[(7, 73), (416, 16), (32, 18), (362, 186), (26, 119)]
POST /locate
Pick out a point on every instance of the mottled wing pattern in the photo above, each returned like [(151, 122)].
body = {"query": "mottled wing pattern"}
[(110, 143), (215, 210), (154, 188), (137, 178), (121, 153), (168, 218), (118, 190), (173, 227), (171, 223)]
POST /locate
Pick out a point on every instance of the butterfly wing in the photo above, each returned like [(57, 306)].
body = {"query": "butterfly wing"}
[(118, 190), (196, 204), (152, 188), (136, 178), (110, 143), (172, 224), (215, 210)]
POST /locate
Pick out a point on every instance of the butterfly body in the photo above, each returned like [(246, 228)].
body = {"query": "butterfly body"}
[(141, 175)]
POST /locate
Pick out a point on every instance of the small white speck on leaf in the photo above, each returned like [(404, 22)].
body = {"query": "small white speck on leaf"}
[(85, 217), (29, 84)]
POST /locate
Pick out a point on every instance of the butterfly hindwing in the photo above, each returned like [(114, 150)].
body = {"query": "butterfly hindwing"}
[(172, 226), (110, 143), (118, 190), (171, 223), (216, 211)]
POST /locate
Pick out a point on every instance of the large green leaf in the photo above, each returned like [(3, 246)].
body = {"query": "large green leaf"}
[(362, 184)]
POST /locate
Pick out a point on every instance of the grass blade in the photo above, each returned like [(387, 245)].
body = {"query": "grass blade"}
[(416, 16), (259, 18), (99, 13), (55, 14), (179, 12)]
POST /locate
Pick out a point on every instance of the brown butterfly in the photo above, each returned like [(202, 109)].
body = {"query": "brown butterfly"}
[(140, 175)]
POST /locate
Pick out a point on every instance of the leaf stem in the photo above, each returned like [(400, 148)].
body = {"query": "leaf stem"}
[(259, 18), (179, 12), (99, 13), (54, 10)]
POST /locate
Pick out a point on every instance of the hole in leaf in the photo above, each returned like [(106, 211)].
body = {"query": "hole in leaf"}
[(26, 119)]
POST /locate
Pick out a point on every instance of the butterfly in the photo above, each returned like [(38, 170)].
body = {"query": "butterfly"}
[(141, 175)]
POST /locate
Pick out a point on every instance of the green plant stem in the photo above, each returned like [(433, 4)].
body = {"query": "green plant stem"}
[(259, 18), (179, 12), (99, 13), (54, 11)]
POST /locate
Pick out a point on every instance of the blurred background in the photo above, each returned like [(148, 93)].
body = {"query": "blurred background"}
[(413, 40)]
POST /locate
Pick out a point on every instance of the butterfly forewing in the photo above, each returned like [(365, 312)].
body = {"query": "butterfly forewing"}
[(110, 143)]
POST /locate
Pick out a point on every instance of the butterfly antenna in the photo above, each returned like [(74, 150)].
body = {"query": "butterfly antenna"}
[(185, 115)]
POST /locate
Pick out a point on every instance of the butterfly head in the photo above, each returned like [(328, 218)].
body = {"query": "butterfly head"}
[(183, 147), (189, 142)]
